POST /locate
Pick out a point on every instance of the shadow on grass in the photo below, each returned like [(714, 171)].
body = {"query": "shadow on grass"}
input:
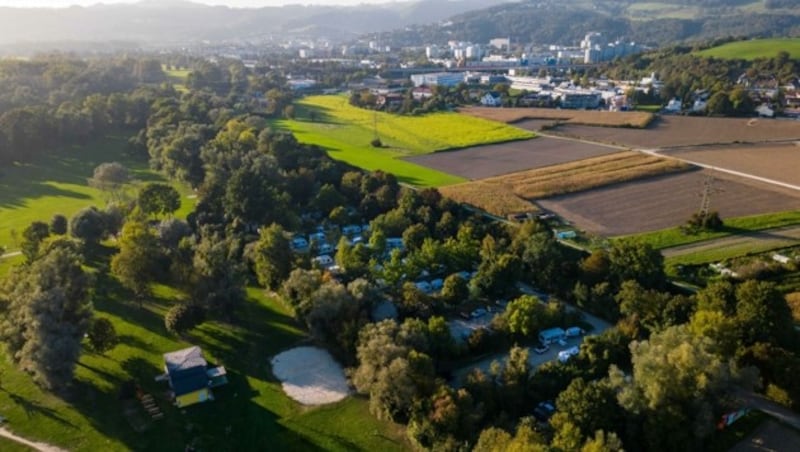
[(33, 409)]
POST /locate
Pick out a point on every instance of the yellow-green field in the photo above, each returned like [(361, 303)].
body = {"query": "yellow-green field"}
[(754, 48), (346, 132)]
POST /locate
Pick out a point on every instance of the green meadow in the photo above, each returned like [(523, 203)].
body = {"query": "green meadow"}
[(754, 48), (57, 183), (346, 132), (250, 413)]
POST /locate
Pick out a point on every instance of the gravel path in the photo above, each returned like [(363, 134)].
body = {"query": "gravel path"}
[(41, 447), (776, 238)]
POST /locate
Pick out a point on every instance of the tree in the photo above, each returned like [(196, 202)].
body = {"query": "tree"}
[(102, 335), (110, 177), (455, 290), (525, 315), (58, 224), (46, 316), (159, 199), (88, 225), (719, 104), (298, 288), (589, 407), (135, 264), (273, 256), (32, 238), (677, 387), (762, 314), (638, 261), (219, 285)]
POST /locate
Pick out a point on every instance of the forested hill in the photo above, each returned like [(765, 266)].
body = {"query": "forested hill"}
[(654, 23), (180, 21)]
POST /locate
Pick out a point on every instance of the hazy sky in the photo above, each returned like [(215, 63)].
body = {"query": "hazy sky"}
[(233, 3)]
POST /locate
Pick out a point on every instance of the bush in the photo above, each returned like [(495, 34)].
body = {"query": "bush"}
[(183, 317), (102, 335), (376, 143), (699, 223)]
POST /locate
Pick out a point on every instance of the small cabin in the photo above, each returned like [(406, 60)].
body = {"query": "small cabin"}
[(547, 337), (190, 377)]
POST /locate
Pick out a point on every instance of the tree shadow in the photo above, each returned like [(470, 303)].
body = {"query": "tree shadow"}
[(33, 409)]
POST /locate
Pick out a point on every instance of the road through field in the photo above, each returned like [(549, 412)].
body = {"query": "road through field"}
[(757, 240)]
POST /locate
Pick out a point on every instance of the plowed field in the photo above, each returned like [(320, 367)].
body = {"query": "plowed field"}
[(666, 201), (779, 162), (589, 117), (676, 131)]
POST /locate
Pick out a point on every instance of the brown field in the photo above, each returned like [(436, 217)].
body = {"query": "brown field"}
[(666, 201), (495, 199), (588, 117), (559, 179), (779, 162), (495, 159), (678, 131)]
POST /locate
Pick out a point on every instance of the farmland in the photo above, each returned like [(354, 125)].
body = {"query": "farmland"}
[(37, 190), (666, 201), (495, 199), (754, 48), (778, 162), (733, 246), (496, 159), (566, 178), (346, 132), (636, 119), (675, 131)]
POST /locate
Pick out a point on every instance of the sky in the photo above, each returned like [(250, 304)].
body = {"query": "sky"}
[(232, 3)]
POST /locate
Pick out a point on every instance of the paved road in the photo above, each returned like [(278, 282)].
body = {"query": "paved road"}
[(598, 326), (777, 237), (779, 412)]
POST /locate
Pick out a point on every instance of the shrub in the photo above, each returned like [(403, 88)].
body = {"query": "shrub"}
[(102, 335), (183, 317), (376, 143)]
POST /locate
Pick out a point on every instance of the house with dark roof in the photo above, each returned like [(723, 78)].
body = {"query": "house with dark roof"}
[(190, 377)]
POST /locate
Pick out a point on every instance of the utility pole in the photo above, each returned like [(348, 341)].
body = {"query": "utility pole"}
[(708, 191)]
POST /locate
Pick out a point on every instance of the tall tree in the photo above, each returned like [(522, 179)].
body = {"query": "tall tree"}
[(159, 199), (46, 316), (273, 257), (135, 264)]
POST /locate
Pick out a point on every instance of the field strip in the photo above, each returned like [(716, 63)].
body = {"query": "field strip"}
[(760, 239), (581, 140), (724, 170)]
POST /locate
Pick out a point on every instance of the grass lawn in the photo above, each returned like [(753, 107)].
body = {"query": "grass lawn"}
[(666, 238), (346, 132), (6, 445), (177, 77), (58, 184), (250, 413), (754, 48)]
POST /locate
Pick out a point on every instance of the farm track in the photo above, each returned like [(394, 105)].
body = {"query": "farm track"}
[(777, 237)]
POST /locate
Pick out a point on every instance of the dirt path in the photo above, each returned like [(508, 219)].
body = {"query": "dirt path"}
[(11, 254), (41, 447), (778, 237)]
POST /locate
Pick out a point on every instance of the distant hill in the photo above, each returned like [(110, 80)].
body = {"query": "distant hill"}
[(171, 21), (648, 22), (755, 48)]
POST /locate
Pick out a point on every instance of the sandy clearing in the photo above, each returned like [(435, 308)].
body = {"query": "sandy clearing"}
[(310, 376), (41, 447)]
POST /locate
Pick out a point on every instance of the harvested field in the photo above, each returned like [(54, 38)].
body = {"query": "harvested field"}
[(495, 199), (779, 162), (588, 117), (499, 195), (495, 159), (666, 201), (678, 131)]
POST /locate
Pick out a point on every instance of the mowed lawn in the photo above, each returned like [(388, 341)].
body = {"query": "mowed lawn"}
[(754, 48), (250, 413), (57, 183), (346, 132)]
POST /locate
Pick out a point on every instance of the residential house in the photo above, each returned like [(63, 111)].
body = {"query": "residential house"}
[(765, 111), (190, 377), (492, 99)]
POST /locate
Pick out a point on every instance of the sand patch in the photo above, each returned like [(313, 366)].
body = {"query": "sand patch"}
[(310, 376)]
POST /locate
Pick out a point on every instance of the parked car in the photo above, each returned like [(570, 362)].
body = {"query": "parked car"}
[(541, 349), (574, 331), (565, 355)]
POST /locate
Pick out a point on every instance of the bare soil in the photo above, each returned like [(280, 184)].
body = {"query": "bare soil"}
[(666, 201), (496, 159), (780, 162), (679, 131), (593, 117)]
